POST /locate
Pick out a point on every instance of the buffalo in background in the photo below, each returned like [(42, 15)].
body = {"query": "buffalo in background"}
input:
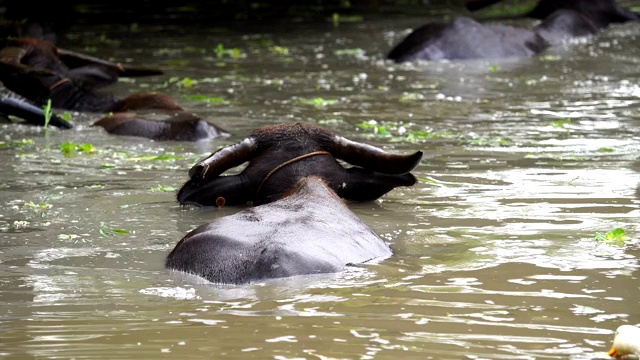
[(39, 71), (466, 38)]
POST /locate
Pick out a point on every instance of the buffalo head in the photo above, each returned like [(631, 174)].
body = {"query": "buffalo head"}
[(280, 155)]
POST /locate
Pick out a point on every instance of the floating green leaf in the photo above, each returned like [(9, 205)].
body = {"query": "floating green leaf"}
[(605, 150), (561, 123), (107, 231), (161, 188), (317, 102), (68, 148), (214, 100), (616, 236), (280, 50), (350, 52), (17, 143)]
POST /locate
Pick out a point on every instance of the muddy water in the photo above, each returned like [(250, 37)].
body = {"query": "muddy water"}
[(495, 254)]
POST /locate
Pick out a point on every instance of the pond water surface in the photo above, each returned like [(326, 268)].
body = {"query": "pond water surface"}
[(495, 251)]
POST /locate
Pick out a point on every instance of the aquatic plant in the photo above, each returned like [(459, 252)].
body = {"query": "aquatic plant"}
[(616, 236)]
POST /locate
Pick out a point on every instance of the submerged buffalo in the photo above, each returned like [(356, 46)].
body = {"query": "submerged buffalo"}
[(466, 38), (601, 12), (39, 71), (29, 113), (178, 126), (280, 155), (310, 231)]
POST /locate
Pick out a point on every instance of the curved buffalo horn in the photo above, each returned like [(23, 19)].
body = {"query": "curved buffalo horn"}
[(373, 158), (74, 59), (223, 159)]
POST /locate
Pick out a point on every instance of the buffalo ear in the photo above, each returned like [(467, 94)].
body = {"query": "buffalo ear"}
[(373, 158), (223, 160)]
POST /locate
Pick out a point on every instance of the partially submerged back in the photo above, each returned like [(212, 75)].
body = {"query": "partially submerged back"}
[(311, 231)]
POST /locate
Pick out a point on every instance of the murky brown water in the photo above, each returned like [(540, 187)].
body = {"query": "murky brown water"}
[(495, 251)]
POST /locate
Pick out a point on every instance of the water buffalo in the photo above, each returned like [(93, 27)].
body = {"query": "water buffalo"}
[(280, 155), (466, 38), (179, 126), (39, 71), (309, 231), (30, 113)]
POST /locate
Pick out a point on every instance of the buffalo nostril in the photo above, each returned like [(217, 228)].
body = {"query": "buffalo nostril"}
[(220, 201)]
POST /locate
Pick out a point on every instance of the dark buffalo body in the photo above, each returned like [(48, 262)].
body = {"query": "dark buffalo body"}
[(466, 38), (310, 231)]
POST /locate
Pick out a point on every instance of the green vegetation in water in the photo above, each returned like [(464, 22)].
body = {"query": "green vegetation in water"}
[(374, 127), (317, 102), (280, 50), (605, 150), (399, 133), (161, 157), (213, 100), (69, 148), (406, 97), (67, 236), (616, 236), (48, 111), (107, 231), (357, 52), (561, 123), (493, 68), (188, 82), (221, 51), (39, 208), (161, 188), (336, 19), (18, 144)]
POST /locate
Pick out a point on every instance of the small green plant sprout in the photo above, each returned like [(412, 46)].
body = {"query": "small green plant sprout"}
[(616, 236), (107, 231), (48, 111), (493, 68), (161, 188)]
